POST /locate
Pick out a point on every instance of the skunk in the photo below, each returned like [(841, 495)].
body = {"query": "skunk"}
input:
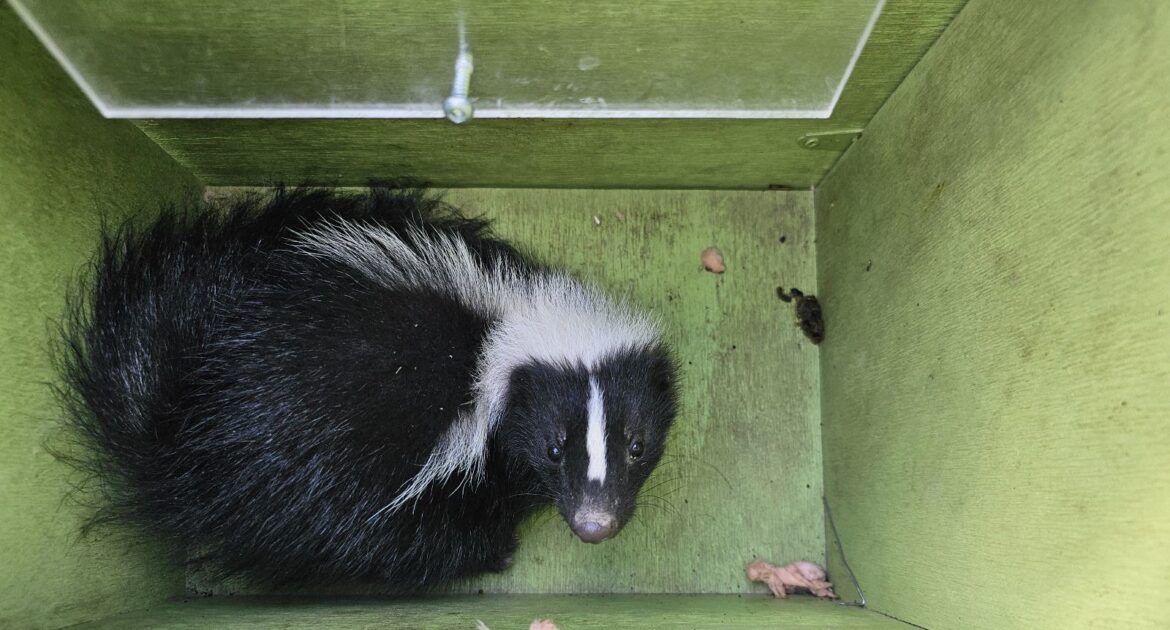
[(311, 387)]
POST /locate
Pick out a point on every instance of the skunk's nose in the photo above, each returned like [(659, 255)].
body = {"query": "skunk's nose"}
[(594, 527)]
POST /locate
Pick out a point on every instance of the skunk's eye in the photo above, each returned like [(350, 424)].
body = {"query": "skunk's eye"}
[(635, 449), (554, 453)]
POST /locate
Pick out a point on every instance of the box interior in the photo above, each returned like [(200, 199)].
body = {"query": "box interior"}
[(702, 511), (985, 417), (995, 251)]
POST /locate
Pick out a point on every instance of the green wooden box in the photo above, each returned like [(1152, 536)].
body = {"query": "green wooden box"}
[(988, 417)]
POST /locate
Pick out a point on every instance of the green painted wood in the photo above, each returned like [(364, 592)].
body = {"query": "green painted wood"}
[(61, 167), (742, 476), (694, 612), (710, 154), (994, 265)]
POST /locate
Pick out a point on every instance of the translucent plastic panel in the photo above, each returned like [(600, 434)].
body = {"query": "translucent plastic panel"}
[(396, 58)]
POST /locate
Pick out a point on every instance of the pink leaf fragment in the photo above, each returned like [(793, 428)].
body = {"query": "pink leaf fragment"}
[(537, 624), (792, 577), (713, 260)]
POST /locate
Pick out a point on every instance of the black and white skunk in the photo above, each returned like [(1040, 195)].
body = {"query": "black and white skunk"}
[(312, 387)]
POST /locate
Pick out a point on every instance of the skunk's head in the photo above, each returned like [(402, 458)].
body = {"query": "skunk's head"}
[(592, 434)]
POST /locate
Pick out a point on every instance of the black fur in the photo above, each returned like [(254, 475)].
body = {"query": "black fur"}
[(261, 406)]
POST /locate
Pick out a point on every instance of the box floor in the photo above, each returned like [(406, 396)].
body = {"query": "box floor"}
[(742, 474)]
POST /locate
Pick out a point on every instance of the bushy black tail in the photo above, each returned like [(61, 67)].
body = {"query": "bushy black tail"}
[(134, 327), (137, 325)]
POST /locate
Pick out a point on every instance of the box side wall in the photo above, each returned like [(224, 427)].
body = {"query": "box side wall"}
[(994, 264), (551, 153), (61, 168), (624, 612)]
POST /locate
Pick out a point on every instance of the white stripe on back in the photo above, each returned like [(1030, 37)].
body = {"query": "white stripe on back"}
[(545, 316), (595, 435)]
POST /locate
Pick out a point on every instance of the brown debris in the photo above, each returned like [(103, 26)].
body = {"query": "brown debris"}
[(713, 260), (808, 313), (792, 577)]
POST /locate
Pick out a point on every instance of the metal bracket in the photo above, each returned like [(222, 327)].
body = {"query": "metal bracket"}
[(829, 140)]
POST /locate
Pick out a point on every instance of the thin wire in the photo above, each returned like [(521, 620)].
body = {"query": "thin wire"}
[(837, 539)]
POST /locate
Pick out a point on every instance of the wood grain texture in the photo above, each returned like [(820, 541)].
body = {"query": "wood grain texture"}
[(994, 268), (742, 475), (61, 168), (701, 154), (693, 612)]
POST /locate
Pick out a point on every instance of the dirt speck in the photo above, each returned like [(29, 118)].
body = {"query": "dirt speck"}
[(868, 265)]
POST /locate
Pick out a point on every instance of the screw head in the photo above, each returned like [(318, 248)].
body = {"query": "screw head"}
[(458, 109), (811, 143)]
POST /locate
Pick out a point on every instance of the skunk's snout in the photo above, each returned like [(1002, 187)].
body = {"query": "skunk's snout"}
[(594, 527)]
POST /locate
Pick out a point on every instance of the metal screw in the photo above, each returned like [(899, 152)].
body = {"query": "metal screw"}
[(811, 143), (457, 106)]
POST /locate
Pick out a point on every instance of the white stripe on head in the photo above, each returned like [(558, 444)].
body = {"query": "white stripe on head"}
[(595, 435)]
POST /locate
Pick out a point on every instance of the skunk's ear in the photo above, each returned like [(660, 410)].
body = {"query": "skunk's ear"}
[(518, 399), (663, 371)]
